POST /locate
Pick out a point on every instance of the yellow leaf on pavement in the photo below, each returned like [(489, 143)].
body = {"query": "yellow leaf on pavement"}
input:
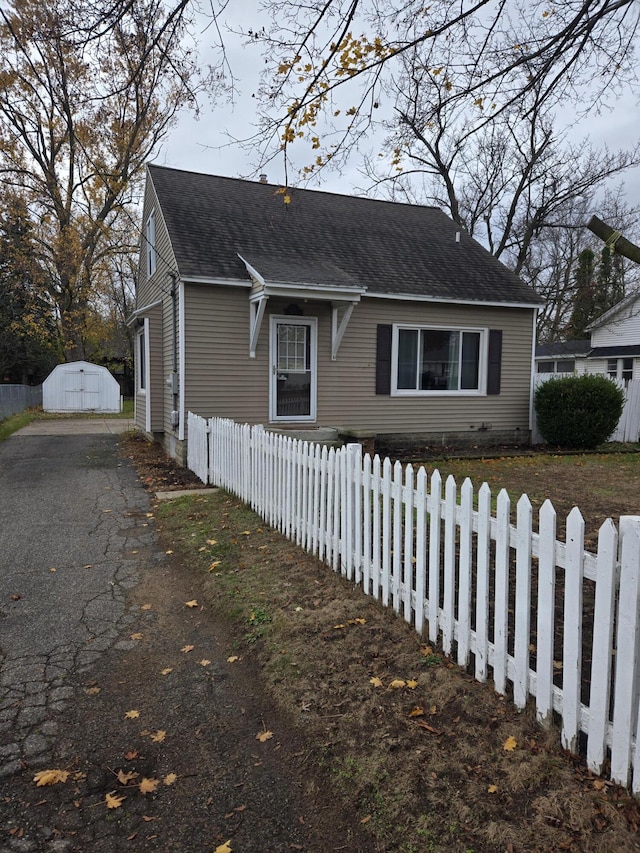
[(113, 800), (170, 778), (224, 848), (166, 670), (159, 736), (492, 789), (397, 683), (204, 662), (186, 649), (50, 777), (510, 744), (232, 659), (125, 778), (148, 786), (136, 636), (264, 736), (375, 681), (132, 715), (412, 684), (192, 603)]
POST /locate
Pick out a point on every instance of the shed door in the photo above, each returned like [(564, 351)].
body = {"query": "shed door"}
[(81, 390), (293, 369)]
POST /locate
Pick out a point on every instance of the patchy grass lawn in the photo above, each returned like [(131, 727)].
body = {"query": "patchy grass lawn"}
[(602, 485), (425, 758)]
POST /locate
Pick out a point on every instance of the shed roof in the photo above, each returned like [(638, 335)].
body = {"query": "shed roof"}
[(326, 239)]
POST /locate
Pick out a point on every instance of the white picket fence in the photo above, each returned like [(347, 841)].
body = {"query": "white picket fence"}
[(468, 578)]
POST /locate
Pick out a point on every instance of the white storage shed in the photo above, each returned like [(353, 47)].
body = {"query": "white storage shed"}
[(80, 386)]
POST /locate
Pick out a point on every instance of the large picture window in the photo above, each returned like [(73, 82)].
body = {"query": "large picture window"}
[(433, 359)]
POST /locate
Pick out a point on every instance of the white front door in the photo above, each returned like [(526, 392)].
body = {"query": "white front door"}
[(293, 369)]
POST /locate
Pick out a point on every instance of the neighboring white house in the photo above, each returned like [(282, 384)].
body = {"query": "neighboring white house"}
[(80, 386), (613, 348)]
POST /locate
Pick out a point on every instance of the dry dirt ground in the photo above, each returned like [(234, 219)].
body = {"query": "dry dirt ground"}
[(418, 755), (305, 717)]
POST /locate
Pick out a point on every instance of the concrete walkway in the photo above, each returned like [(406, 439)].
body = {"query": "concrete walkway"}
[(78, 426)]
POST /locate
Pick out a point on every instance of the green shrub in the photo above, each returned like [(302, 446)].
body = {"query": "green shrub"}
[(578, 411)]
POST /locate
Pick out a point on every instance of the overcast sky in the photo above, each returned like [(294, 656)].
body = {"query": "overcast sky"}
[(204, 145)]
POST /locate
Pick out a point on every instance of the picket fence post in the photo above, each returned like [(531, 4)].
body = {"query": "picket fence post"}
[(625, 705)]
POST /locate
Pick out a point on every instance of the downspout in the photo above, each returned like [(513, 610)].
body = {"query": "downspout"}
[(174, 373)]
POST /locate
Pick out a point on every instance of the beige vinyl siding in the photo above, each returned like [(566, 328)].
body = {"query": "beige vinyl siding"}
[(150, 288), (222, 380), (348, 398)]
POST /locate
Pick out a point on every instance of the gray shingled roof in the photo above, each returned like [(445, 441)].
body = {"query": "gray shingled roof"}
[(564, 348), (325, 238)]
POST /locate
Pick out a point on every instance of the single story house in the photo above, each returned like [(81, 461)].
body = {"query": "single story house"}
[(301, 309), (613, 347)]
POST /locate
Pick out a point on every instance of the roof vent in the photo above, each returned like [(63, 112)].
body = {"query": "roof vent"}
[(457, 236), (263, 178)]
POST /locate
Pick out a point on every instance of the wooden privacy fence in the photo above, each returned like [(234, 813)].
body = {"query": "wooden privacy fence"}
[(548, 618)]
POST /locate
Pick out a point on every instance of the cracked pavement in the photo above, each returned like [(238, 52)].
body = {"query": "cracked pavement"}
[(92, 617), (69, 512)]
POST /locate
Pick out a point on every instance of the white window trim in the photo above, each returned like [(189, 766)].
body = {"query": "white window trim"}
[(141, 392), (151, 243), (312, 323), (481, 391)]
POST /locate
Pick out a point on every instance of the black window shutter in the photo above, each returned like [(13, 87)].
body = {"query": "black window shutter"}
[(495, 361), (383, 360)]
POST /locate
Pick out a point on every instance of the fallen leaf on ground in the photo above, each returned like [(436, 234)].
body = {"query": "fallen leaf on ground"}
[(428, 728), (510, 744), (214, 565), (92, 691), (417, 712), (129, 756), (375, 681), (146, 607), (159, 736), (192, 603), (492, 789), (232, 659), (263, 736), (412, 684), (169, 551), (224, 848), (204, 662), (397, 683), (113, 800), (186, 649), (132, 715), (170, 778), (50, 777), (137, 636), (148, 786), (125, 778), (212, 541), (336, 627), (166, 670)]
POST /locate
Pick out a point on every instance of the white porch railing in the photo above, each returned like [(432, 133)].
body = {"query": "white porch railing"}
[(469, 578)]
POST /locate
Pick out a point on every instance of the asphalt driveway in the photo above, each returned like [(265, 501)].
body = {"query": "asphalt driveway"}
[(96, 680), (71, 513)]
